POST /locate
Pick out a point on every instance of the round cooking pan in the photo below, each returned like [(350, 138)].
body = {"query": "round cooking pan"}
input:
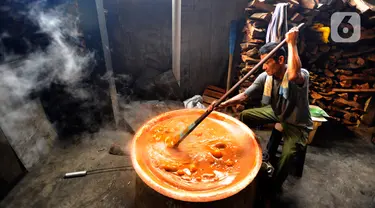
[(250, 162)]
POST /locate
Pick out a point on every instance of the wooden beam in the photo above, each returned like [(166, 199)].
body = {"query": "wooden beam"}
[(353, 90), (361, 77)]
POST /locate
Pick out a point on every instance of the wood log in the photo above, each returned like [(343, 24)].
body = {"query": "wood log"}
[(327, 98), (316, 95), (327, 2), (249, 59), (293, 3), (253, 40), (321, 104), (297, 18), (350, 66), (362, 86), (337, 54), (345, 112), (257, 24), (327, 93), (328, 82), (354, 90), (253, 32), (343, 102), (345, 72), (369, 71), (362, 6), (261, 16), (371, 57), (344, 96), (361, 50), (367, 34), (247, 46), (351, 63), (261, 5), (322, 7), (349, 123), (346, 83), (358, 60), (355, 98), (308, 4), (254, 52), (328, 73)]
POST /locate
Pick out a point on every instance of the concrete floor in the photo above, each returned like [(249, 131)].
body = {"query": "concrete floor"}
[(339, 171)]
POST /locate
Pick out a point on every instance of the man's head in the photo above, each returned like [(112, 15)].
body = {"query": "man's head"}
[(275, 64)]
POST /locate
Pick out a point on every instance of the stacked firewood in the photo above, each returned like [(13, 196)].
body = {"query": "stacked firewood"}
[(342, 83), (342, 75)]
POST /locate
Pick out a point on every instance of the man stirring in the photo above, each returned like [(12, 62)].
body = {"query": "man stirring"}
[(283, 90)]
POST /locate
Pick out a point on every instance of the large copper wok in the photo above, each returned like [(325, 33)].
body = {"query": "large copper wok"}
[(160, 185)]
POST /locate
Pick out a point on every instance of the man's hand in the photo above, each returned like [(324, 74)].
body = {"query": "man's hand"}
[(291, 36), (219, 107)]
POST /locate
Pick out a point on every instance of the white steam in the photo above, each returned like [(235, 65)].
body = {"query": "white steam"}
[(62, 61)]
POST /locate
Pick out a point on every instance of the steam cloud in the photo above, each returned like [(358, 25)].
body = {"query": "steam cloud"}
[(61, 61)]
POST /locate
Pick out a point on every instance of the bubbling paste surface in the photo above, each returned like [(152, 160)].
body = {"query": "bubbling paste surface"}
[(217, 153)]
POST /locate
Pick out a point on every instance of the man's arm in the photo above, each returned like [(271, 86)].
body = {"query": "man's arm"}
[(254, 91), (240, 98), (294, 62)]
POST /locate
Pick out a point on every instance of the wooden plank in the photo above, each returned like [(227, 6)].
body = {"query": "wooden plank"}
[(213, 94), (214, 88)]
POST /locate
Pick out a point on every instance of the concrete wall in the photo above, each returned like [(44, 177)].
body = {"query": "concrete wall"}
[(205, 44), (28, 131), (140, 36)]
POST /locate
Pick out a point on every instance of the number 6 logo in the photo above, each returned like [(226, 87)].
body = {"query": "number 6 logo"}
[(345, 27)]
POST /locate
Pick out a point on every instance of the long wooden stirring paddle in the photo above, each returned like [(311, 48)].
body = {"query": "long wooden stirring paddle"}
[(192, 126)]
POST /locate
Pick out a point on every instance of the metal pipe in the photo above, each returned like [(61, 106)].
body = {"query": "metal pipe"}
[(176, 39), (75, 174)]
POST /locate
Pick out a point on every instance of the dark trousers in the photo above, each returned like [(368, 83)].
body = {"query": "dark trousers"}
[(294, 140)]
